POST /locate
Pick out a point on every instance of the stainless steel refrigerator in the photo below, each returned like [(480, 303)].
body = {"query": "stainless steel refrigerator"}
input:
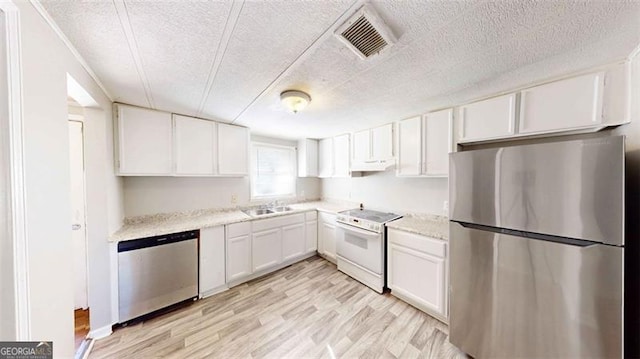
[(537, 250)]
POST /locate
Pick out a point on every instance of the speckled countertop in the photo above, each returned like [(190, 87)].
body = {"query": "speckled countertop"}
[(424, 224), (165, 223)]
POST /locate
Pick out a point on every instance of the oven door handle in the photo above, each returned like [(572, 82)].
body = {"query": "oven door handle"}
[(361, 232)]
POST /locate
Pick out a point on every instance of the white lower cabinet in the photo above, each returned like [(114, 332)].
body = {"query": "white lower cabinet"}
[(212, 261), (238, 251), (311, 232), (267, 248), (293, 244), (261, 246), (327, 235), (417, 271)]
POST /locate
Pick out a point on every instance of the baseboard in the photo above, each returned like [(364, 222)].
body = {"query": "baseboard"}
[(84, 349), (416, 304), (214, 291), (328, 258), (266, 271), (100, 333)]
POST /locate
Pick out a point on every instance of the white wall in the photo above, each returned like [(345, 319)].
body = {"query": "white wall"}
[(385, 191), (151, 195), (45, 64), (7, 302)]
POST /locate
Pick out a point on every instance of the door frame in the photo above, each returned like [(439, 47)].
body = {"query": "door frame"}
[(17, 178), (80, 119)]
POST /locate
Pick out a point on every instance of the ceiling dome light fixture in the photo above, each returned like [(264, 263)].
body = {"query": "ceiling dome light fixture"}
[(295, 100)]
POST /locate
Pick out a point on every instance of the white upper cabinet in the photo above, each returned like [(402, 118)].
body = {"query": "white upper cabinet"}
[(437, 142), (233, 150), (325, 158), (585, 103), (410, 147), (488, 119), (156, 143), (361, 146), (382, 142), (563, 105), (424, 144), (195, 146), (144, 141), (341, 156), (372, 149), (307, 158)]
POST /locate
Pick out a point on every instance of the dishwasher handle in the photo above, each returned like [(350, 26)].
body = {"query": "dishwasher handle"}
[(134, 244)]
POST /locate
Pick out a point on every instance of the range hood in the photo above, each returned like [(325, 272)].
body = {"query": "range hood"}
[(373, 165)]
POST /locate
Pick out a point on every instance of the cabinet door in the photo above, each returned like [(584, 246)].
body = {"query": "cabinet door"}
[(341, 155), (488, 119), (311, 236), (144, 141), (212, 259), (293, 241), (325, 157), (361, 146), (307, 158), (233, 150), (238, 257), (328, 239), (266, 248), (382, 142), (195, 145), (563, 105), (410, 147), (417, 276), (437, 142)]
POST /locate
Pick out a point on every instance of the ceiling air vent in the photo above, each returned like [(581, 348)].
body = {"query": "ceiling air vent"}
[(366, 33)]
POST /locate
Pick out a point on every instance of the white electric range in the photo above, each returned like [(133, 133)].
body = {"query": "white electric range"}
[(361, 245)]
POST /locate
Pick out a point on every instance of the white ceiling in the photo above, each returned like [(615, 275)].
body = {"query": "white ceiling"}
[(230, 61)]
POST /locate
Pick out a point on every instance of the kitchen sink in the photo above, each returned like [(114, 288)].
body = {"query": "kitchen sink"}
[(281, 209), (258, 212)]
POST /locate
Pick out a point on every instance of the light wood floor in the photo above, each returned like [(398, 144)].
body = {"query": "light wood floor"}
[(307, 310), (81, 317)]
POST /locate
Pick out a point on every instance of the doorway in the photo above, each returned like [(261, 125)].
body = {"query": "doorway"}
[(78, 229)]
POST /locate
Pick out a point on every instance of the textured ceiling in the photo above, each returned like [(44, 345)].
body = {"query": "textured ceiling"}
[(230, 61)]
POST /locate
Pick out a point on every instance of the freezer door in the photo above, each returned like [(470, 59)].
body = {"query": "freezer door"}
[(569, 189), (514, 297)]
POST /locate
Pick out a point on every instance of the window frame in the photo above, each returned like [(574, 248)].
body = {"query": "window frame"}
[(253, 167)]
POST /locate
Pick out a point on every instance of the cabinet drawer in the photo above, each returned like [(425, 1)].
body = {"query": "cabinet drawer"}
[(311, 216), (275, 222), (434, 247), (292, 219), (238, 229)]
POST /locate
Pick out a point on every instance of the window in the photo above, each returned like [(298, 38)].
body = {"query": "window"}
[(273, 170)]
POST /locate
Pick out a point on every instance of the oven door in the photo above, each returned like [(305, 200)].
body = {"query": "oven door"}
[(360, 246)]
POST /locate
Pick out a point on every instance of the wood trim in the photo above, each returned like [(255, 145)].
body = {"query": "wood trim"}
[(38, 6), (18, 188)]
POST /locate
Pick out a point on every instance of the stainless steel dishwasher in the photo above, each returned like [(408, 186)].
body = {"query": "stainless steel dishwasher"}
[(156, 272)]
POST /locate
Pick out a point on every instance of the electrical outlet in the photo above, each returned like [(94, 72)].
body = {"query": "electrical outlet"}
[(234, 198), (445, 207)]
